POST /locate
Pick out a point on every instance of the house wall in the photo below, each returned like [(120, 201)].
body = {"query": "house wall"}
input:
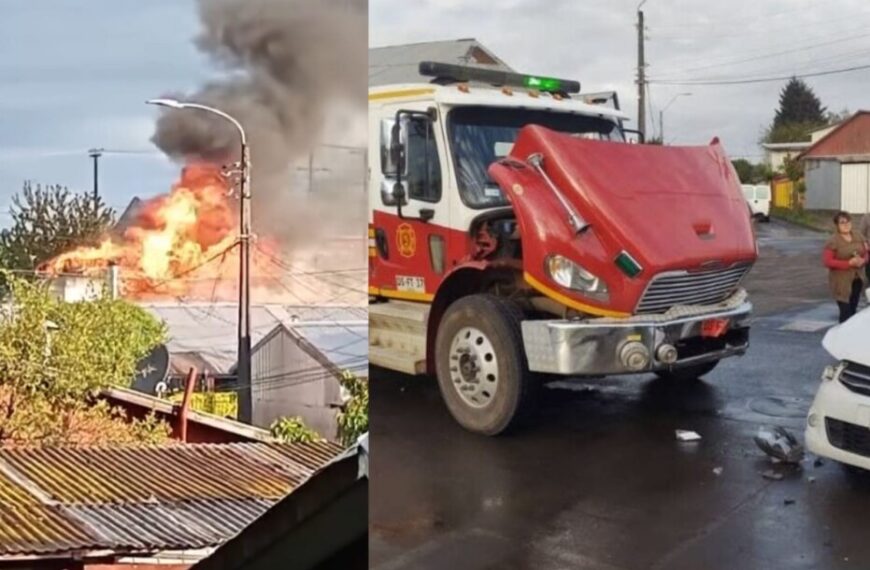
[(196, 432), (823, 185), (776, 158), (856, 187), (287, 381)]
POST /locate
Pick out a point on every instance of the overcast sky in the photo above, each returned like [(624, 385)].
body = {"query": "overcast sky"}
[(596, 42), (75, 75)]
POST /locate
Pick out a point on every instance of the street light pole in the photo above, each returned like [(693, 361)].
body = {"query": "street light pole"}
[(662, 114), (243, 366), (96, 153)]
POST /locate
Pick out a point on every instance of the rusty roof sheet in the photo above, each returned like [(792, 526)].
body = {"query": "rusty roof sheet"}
[(143, 499)]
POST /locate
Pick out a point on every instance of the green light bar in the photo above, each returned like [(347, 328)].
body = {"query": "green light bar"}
[(542, 83), (451, 73), (628, 265)]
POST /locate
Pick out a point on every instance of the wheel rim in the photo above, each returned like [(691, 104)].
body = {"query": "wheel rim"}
[(473, 367)]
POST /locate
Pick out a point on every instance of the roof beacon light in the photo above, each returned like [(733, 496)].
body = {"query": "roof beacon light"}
[(451, 73)]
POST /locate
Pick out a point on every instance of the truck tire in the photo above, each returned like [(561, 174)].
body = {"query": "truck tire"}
[(481, 365), (688, 373)]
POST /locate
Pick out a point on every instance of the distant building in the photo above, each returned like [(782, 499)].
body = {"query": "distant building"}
[(837, 167), (298, 355), (777, 153), (391, 65), (138, 507)]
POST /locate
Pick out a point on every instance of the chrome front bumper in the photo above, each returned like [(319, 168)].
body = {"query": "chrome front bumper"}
[(592, 347)]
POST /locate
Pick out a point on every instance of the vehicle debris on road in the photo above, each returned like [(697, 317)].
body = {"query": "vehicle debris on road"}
[(687, 435), (779, 444)]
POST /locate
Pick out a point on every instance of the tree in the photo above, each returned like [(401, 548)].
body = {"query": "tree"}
[(798, 104), (744, 170), (762, 172), (353, 419), (55, 357), (48, 221), (293, 430), (799, 112)]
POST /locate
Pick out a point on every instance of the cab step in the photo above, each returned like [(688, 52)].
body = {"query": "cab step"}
[(397, 336)]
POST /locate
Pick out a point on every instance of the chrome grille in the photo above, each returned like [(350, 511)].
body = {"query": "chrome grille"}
[(856, 378), (706, 287)]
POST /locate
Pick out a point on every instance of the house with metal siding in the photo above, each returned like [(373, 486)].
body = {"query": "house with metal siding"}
[(299, 353), (390, 65), (837, 167), (295, 371)]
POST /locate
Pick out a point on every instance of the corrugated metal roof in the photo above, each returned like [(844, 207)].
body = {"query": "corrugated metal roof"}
[(209, 330), (347, 347), (140, 499), (399, 64)]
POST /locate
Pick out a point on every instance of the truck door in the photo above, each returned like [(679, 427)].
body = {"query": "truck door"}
[(411, 236)]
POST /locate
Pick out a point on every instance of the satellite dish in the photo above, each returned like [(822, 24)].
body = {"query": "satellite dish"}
[(152, 370)]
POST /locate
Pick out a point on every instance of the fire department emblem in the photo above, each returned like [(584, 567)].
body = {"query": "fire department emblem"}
[(406, 240)]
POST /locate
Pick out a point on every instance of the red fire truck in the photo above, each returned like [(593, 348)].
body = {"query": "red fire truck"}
[(515, 234)]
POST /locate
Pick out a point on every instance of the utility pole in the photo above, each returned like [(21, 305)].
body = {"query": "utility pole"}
[(96, 153), (243, 366), (641, 74), (243, 369)]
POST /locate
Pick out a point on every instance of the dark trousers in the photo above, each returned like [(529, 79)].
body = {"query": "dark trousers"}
[(849, 309)]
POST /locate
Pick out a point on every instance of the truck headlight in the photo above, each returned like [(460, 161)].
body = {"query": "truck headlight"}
[(571, 276)]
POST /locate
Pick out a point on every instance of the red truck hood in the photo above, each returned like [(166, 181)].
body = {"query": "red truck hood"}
[(668, 207)]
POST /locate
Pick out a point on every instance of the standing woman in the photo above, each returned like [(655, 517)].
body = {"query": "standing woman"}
[(845, 256)]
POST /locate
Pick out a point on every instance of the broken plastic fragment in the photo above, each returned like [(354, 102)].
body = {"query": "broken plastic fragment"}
[(687, 435), (779, 444)]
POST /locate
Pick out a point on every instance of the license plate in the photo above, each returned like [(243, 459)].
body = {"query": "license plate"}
[(714, 328)]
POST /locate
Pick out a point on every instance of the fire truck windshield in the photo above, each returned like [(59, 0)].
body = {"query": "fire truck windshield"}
[(481, 135)]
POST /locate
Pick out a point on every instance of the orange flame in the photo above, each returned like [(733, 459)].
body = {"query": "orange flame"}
[(171, 236), (180, 244)]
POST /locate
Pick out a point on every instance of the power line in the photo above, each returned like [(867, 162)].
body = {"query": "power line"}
[(766, 31), (760, 79), (730, 62)]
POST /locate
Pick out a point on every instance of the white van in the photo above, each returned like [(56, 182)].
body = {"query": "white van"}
[(758, 198), (838, 423)]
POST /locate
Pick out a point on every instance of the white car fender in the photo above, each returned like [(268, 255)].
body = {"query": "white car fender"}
[(848, 341)]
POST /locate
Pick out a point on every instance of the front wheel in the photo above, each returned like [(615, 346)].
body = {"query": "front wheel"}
[(688, 373), (481, 364)]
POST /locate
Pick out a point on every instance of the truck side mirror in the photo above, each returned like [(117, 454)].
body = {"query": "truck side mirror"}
[(397, 147), (392, 143)]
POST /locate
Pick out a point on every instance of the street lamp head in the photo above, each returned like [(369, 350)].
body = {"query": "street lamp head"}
[(172, 103)]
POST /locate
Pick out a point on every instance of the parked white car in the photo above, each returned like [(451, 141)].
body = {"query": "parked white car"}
[(838, 423), (758, 198)]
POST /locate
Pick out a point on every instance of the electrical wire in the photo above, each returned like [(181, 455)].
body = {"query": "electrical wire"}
[(768, 55), (760, 79)]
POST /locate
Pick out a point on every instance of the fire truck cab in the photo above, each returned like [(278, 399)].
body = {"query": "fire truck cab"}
[(513, 231)]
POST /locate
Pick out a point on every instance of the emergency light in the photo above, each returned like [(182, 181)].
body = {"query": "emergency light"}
[(461, 73)]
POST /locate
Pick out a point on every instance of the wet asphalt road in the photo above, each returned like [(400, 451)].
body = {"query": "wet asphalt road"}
[(599, 482)]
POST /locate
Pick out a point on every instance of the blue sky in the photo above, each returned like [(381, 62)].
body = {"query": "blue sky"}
[(75, 75)]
